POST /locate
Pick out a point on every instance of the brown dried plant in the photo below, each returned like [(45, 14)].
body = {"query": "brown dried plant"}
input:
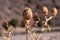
[(27, 15)]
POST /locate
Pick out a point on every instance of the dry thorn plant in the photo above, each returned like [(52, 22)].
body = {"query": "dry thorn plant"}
[(27, 15), (45, 22), (45, 13)]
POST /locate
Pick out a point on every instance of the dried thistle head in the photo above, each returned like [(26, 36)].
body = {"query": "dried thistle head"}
[(45, 10), (27, 14), (54, 12), (26, 22), (35, 17)]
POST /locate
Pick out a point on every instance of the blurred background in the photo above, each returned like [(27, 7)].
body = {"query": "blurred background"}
[(12, 11)]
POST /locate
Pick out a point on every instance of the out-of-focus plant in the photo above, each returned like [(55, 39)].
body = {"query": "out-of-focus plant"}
[(13, 22), (6, 34)]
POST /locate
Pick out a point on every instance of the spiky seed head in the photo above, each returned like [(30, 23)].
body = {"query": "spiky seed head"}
[(45, 10), (36, 17), (27, 14), (54, 11)]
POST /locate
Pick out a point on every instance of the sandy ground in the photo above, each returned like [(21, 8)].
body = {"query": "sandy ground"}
[(44, 36), (19, 34)]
